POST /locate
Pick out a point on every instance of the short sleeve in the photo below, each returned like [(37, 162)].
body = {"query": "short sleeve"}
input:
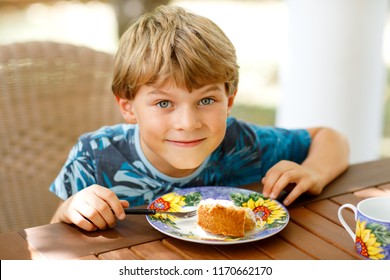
[(278, 144), (77, 173)]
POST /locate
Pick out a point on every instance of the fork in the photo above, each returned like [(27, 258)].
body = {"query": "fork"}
[(136, 211)]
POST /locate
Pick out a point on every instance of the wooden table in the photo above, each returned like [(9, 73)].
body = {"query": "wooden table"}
[(314, 231)]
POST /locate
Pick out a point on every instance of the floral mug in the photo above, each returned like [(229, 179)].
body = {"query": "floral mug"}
[(372, 235)]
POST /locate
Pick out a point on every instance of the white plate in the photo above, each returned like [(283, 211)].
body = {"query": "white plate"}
[(270, 214)]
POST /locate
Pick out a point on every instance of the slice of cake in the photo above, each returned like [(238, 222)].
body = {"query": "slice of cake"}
[(223, 217)]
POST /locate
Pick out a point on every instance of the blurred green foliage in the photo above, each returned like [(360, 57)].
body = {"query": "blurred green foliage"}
[(254, 114)]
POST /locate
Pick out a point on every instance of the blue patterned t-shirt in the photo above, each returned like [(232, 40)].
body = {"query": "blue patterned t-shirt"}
[(112, 157)]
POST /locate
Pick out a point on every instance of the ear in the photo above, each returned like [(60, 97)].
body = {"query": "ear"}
[(126, 109), (231, 102)]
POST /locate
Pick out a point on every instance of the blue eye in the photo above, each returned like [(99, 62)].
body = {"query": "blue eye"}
[(207, 101), (164, 104)]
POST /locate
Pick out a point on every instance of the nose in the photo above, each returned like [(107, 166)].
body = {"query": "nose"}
[(187, 118)]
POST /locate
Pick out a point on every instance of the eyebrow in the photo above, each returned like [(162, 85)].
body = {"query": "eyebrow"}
[(204, 91), (210, 88)]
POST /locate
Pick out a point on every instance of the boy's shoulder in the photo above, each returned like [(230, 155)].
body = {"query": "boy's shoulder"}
[(265, 134), (113, 132), (235, 125)]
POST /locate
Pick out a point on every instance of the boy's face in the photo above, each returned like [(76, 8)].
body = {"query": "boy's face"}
[(178, 129)]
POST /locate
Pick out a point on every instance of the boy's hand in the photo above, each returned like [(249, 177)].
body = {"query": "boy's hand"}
[(327, 158), (92, 208), (284, 173)]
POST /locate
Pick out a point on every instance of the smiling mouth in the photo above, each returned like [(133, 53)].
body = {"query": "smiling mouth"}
[(187, 143)]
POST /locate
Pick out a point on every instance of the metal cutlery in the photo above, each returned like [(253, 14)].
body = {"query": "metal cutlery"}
[(137, 211)]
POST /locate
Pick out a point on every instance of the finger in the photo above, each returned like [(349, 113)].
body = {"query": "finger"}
[(286, 179), (109, 205), (269, 181), (273, 175), (93, 215), (291, 197), (124, 203), (103, 210), (296, 192), (79, 220)]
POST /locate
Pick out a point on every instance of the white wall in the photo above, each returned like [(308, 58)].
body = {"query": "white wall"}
[(335, 74)]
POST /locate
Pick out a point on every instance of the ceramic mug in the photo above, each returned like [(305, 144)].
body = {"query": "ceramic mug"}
[(372, 234)]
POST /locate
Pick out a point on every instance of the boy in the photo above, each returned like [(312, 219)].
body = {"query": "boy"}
[(175, 80)]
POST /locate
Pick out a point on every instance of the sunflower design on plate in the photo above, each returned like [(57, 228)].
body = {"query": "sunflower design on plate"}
[(269, 213), (173, 202), (271, 216)]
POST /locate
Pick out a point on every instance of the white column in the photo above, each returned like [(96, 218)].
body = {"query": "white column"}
[(334, 74)]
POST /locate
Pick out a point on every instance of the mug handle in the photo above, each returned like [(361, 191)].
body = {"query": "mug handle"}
[(341, 218)]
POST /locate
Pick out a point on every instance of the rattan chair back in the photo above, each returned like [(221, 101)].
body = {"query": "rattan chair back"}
[(50, 93)]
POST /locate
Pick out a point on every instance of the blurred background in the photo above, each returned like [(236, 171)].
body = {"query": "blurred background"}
[(258, 28)]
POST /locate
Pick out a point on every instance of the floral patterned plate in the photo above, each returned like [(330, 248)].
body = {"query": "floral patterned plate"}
[(271, 216)]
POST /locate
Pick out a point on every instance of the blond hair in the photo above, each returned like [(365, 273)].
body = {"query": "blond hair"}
[(172, 43)]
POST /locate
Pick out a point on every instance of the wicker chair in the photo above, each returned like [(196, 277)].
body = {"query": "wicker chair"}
[(50, 93)]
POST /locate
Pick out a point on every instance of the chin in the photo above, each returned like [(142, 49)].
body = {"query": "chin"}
[(184, 167), (187, 166)]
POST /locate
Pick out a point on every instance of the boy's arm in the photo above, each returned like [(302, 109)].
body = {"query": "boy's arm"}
[(328, 155), (327, 158)]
